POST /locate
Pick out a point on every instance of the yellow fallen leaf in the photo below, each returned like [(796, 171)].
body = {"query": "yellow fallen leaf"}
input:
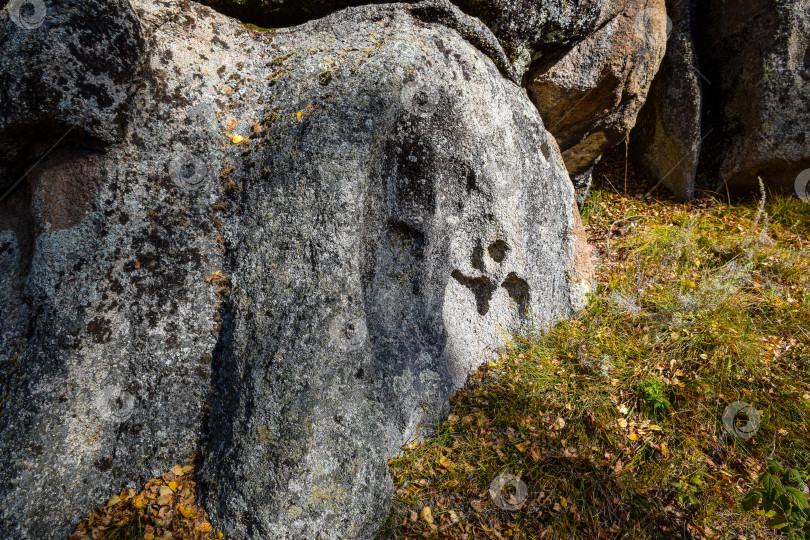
[(139, 501), (149, 536), (445, 462), (220, 534), (238, 139), (173, 486), (622, 422), (187, 469), (185, 511), (426, 514), (521, 446), (299, 115), (177, 470), (166, 491), (114, 500), (664, 449), (633, 437), (203, 527)]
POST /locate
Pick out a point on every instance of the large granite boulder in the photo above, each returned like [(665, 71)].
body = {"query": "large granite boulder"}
[(666, 141), (301, 244), (527, 29), (416, 211), (757, 56), (590, 97)]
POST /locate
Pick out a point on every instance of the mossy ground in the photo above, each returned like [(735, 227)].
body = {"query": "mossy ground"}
[(614, 420)]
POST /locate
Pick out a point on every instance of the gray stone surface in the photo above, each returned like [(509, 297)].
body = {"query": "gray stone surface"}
[(535, 31), (63, 64), (408, 221), (666, 141), (528, 30), (590, 97), (757, 55), (105, 318), (387, 219)]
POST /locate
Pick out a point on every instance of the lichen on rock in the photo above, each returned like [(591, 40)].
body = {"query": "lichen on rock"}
[(294, 303)]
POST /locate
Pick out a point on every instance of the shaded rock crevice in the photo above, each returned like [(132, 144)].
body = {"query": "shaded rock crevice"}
[(667, 138), (758, 104)]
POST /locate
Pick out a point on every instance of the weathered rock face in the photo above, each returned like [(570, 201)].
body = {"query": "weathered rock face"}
[(589, 98), (527, 29), (67, 63), (666, 140), (405, 223), (757, 56), (105, 318), (536, 31), (318, 289)]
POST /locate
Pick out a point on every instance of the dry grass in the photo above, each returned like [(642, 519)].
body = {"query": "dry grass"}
[(614, 420)]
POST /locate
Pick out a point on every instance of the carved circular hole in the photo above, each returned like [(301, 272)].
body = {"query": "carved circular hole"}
[(497, 250)]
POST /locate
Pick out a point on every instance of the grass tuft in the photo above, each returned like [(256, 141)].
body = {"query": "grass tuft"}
[(614, 420)]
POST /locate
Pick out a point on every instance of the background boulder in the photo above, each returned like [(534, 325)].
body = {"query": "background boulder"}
[(527, 29), (757, 56), (666, 140), (590, 97)]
